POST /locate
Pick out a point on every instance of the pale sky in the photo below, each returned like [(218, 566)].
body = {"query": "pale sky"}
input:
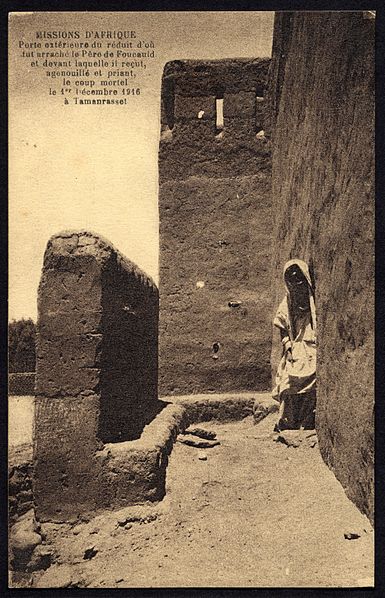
[(96, 167)]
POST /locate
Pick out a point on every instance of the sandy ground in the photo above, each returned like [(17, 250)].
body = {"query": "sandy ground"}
[(255, 513)]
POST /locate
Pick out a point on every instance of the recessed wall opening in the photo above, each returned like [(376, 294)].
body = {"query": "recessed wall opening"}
[(219, 122), (169, 104), (258, 120)]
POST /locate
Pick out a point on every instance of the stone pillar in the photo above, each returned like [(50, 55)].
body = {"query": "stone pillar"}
[(96, 374)]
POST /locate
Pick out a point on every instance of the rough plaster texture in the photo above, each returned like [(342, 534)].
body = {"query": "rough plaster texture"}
[(215, 229), (226, 407), (123, 473), (96, 378), (136, 470), (322, 126)]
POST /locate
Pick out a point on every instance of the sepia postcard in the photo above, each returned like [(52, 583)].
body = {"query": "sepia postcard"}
[(191, 299)]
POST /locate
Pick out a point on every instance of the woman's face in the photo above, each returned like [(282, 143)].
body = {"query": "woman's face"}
[(297, 285)]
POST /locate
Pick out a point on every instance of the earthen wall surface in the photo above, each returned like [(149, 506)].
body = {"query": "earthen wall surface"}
[(96, 376), (322, 93), (215, 228), (21, 383)]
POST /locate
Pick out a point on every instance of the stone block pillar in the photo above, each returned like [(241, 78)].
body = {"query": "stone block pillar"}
[(96, 374)]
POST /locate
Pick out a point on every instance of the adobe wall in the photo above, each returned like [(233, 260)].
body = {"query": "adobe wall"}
[(215, 229), (96, 372), (21, 383), (322, 119)]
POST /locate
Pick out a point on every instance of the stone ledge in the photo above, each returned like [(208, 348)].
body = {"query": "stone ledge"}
[(136, 470), (225, 407)]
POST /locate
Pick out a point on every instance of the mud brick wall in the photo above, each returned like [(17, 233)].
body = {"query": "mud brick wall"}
[(322, 92), (21, 383), (215, 228), (96, 375)]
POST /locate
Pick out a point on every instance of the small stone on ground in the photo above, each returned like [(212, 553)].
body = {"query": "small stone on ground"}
[(191, 440), (57, 576), (296, 438), (207, 434)]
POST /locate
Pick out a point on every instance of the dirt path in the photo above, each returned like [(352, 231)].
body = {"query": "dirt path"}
[(255, 513)]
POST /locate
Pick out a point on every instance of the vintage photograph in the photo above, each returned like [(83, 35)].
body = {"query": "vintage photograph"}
[(191, 299)]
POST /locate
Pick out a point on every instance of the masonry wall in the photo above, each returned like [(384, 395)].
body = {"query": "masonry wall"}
[(215, 228), (96, 373), (322, 127)]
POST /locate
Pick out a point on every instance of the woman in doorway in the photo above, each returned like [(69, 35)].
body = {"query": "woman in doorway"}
[(295, 384)]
